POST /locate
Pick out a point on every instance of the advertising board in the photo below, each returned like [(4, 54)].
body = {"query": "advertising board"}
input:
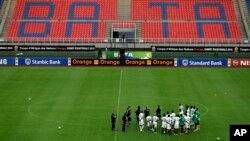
[(240, 63), (202, 62), (43, 61), (7, 61)]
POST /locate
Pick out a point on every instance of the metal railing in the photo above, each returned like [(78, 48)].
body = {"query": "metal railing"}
[(127, 40)]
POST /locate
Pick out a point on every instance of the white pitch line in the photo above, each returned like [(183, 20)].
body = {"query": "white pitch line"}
[(118, 100)]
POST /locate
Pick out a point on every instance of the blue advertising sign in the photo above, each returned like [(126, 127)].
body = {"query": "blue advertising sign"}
[(7, 61), (43, 62), (202, 62)]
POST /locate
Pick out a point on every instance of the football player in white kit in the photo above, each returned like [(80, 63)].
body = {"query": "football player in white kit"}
[(163, 124), (187, 123), (155, 122), (187, 111), (181, 107), (149, 122), (141, 121), (172, 115), (181, 112), (176, 124), (169, 121)]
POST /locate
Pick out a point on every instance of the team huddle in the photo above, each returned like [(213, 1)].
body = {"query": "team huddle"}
[(184, 121)]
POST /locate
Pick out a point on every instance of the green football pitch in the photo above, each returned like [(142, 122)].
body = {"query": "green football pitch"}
[(81, 100)]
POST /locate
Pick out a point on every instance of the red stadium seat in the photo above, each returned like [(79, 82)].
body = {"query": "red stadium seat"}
[(187, 20), (51, 19)]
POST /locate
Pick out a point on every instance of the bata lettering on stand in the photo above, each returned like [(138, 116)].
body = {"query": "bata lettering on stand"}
[(202, 62), (7, 61), (242, 63), (43, 61)]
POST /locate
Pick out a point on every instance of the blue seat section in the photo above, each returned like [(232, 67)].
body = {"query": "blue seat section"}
[(1, 4), (248, 6)]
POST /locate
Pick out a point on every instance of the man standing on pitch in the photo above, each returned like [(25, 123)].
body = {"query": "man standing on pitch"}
[(113, 121), (124, 122), (146, 112), (137, 112), (158, 112)]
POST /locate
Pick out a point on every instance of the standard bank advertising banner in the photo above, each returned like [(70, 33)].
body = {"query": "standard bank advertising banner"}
[(7, 61), (43, 62), (202, 62)]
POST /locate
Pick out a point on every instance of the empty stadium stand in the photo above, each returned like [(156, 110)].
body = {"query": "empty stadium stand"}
[(77, 20), (187, 19)]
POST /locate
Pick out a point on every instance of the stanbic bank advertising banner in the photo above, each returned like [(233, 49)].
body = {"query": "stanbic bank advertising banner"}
[(202, 62), (43, 61)]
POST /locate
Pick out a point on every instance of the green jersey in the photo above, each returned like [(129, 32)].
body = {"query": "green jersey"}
[(198, 114), (195, 118), (182, 120)]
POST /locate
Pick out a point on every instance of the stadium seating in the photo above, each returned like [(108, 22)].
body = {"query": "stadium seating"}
[(186, 19), (181, 9), (62, 9), (248, 6), (64, 19), (58, 31), (161, 20), (1, 4), (187, 30)]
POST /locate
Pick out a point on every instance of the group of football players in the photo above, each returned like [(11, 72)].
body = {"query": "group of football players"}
[(171, 122), (184, 121)]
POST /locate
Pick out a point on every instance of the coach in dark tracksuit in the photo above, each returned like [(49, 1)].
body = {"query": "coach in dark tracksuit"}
[(124, 122), (137, 112), (113, 121)]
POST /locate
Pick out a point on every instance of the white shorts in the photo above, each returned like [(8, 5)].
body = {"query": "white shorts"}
[(164, 125), (187, 125), (149, 124), (168, 126), (141, 122), (176, 126), (155, 124), (172, 123)]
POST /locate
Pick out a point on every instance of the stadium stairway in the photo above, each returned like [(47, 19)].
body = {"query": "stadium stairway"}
[(239, 18), (2, 7), (8, 20), (138, 30), (243, 5), (108, 30), (124, 10)]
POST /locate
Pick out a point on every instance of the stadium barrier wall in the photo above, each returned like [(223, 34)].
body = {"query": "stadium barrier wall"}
[(78, 62)]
